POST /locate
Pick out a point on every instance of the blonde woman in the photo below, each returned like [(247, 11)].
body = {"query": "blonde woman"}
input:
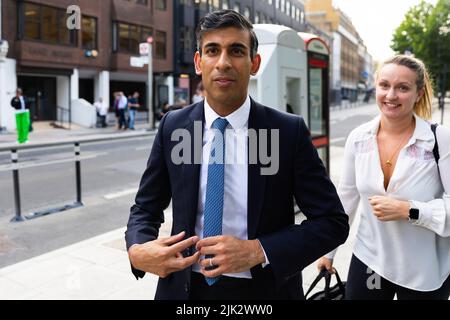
[(402, 245)]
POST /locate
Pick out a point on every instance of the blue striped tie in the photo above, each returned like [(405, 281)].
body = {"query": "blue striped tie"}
[(212, 223)]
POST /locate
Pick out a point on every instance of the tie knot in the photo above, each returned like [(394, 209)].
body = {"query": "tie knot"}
[(220, 124)]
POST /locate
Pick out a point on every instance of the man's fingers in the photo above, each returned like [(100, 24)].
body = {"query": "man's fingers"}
[(173, 239), (182, 245), (213, 273), (183, 263), (210, 241), (209, 250)]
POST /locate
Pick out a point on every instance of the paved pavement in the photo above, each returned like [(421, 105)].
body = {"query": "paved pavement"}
[(98, 268)]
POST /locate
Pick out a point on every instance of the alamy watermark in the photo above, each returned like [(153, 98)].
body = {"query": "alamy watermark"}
[(373, 281), (259, 143), (73, 21)]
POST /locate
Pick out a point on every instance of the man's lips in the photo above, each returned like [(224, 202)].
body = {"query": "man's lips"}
[(223, 81)]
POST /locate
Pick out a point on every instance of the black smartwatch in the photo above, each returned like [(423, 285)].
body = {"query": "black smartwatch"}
[(413, 213)]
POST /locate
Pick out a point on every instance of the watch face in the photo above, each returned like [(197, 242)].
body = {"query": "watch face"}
[(414, 213)]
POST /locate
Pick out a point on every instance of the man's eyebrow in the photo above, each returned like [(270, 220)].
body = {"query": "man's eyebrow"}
[(233, 45), (238, 45)]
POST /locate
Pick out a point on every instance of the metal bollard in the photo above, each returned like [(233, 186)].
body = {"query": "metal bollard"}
[(14, 159), (78, 171)]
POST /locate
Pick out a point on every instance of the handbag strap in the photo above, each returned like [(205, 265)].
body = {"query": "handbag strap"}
[(436, 146), (322, 274), (338, 280)]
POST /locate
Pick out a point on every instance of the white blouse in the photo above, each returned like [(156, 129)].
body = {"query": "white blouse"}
[(412, 254)]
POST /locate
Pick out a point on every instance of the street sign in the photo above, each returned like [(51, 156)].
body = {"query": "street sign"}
[(137, 62), (144, 49)]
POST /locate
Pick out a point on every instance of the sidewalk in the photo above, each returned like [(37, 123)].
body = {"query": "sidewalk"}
[(98, 268)]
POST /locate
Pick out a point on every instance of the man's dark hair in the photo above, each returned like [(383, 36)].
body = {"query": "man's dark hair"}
[(223, 19)]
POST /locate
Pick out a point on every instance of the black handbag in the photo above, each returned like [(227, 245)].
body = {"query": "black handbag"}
[(336, 292)]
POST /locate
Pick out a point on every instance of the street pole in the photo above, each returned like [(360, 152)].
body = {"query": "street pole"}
[(150, 88)]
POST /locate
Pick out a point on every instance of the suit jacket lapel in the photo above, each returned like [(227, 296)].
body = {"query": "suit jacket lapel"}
[(191, 172), (256, 181)]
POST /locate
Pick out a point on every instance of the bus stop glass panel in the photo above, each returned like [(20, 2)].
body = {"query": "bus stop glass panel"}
[(317, 125)]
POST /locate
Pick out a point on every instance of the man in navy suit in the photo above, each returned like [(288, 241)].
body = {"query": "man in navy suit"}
[(233, 234)]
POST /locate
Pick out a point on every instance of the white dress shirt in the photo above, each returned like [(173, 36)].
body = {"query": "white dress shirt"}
[(234, 221), (412, 254), (22, 103)]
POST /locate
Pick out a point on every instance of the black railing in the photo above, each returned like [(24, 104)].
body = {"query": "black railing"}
[(15, 167), (62, 116)]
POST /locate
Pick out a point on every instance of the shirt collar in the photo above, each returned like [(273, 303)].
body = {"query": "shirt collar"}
[(238, 119), (421, 132)]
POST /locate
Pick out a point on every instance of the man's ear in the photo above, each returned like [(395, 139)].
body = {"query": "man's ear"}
[(197, 62), (256, 63)]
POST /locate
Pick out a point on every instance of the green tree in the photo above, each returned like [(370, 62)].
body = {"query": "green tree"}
[(425, 33)]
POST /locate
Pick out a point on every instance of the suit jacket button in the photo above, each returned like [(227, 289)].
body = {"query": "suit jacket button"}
[(186, 287)]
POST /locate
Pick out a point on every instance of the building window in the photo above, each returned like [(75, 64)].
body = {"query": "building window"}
[(269, 2), (49, 24), (277, 4), (203, 4), (186, 37), (143, 2), (46, 24), (288, 8), (88, 33), (160, 45), (146, 33), (283, 5), (247, 12), (32, 22), (225, 4), (215, 4), (302, 17), (237, 7), (129, 36), (161, 5)]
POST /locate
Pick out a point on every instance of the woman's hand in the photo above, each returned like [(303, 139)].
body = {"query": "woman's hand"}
[(325, 263), (389, 209)]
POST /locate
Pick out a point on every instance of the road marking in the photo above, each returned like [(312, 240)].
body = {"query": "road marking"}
[(147, 148), (120, 193), (23, 165), (337, 140)]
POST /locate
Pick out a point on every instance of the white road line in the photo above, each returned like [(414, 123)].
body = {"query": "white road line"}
[(337, 139), (120, 193), (143, 148), (23, 165)]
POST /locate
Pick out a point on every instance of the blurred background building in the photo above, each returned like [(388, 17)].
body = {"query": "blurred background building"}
[(61, 69)]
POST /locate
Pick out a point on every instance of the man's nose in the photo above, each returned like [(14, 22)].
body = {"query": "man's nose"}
[(224, 61)]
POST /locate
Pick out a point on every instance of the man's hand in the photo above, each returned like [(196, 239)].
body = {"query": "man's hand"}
[(389, 209), (231, 255), (163, 256)]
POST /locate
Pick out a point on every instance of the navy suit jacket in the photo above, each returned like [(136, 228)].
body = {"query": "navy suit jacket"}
[(301, 175)]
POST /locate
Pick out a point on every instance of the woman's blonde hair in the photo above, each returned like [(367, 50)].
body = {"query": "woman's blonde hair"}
[(422, 107)]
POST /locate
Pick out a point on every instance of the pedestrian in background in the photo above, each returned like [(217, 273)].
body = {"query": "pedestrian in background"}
[(403, 242), (102, 111), (122, 102), (133, 106), (23, 119)]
